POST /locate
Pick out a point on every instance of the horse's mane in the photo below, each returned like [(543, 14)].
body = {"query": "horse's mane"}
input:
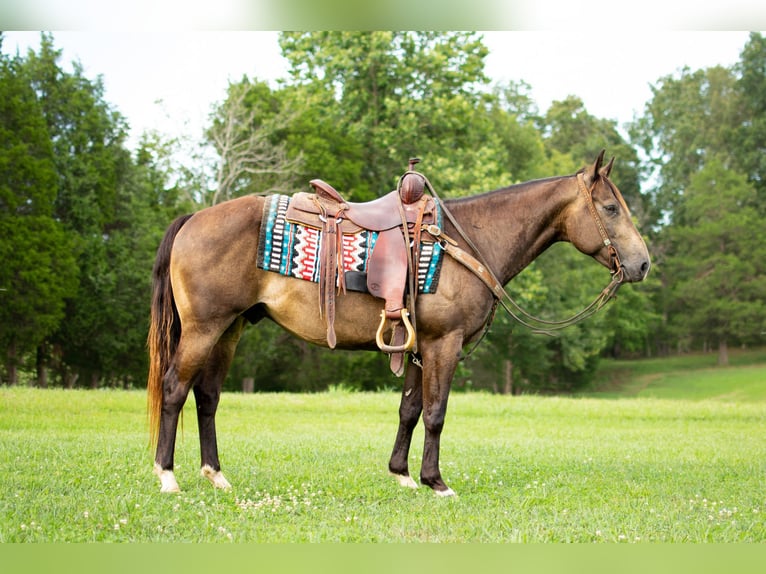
[(513, 188)]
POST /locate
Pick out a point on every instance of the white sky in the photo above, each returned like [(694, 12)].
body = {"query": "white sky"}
[(168, 80)]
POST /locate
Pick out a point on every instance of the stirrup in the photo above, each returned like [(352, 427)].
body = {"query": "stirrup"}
[(409, 343)]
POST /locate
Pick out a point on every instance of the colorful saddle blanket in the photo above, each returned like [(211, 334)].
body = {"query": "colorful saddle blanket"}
[(293, 250)]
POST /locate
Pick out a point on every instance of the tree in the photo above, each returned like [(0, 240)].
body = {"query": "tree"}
[(690, 118), (569, 129), (401, 94), (249, 157), (108, 207), (38, 272), (90, 161), (703, 128), (751, 133), (718, 261)]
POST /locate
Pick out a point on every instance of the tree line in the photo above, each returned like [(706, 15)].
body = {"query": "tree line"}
[(81, 214)]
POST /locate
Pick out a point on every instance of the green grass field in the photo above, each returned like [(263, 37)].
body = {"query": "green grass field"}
[(687, 377), (684, 460)]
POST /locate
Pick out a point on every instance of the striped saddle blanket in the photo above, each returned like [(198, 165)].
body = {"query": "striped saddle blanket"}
[(292, 249)]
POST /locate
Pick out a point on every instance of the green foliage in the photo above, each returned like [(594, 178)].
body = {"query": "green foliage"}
[(570, 130), (38, 272), (689, 119), (632, 319), (400, 95), (719, 280), (277, 361), (80, 223), (703, 132), (37, 276), (750, 137)]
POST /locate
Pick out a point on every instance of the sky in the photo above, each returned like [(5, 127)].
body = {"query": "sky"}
[(169, 80)]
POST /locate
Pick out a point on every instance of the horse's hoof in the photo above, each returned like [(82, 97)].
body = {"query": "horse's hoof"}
[(445, 493), (405, 480), (168, 481), (216, 477)]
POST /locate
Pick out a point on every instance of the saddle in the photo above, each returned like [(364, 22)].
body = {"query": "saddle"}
[(397, 218)]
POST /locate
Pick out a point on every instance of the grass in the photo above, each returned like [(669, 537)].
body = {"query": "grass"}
[(688, 377), (312, 468)]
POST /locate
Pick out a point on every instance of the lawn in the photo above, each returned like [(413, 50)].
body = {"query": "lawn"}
[(312, 468), (688, 377)]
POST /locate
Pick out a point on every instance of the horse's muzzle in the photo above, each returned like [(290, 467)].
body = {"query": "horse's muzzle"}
[(636, 272)]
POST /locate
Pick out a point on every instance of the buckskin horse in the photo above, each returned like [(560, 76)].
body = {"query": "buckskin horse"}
[(206, 287)]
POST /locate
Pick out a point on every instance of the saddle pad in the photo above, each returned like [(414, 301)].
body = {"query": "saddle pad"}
[(292, 250)]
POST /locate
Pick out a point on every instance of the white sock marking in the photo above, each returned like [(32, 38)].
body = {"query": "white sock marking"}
[(168, 481), (405, 480), (216, 477)]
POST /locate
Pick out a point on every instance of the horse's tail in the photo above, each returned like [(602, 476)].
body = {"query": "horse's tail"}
[(164, 327)]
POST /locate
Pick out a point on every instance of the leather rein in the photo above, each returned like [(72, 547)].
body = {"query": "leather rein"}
[(479, 267)]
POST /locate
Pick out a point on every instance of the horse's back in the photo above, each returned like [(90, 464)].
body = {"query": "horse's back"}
[(218, 222)]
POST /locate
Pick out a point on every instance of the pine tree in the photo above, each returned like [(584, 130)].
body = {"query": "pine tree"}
[(38, 272)]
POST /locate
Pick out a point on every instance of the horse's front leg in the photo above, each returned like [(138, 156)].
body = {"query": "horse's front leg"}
[(440, 360), (410, 408)]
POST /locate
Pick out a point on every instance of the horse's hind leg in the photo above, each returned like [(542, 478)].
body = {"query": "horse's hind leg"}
[(410, 408), (207, 392), (191, 355)]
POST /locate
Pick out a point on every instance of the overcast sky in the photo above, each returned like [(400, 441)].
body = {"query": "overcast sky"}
[(169, 80)]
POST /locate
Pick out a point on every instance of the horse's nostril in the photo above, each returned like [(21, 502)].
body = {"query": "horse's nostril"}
[(645, 267)]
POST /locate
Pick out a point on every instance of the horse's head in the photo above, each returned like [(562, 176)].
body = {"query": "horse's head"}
[(600, 225)]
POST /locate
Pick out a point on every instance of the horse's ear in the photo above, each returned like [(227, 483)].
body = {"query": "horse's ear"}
[(607, 169), (592, 171)]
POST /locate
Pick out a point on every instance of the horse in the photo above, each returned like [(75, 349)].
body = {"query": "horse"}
[(206, 287)]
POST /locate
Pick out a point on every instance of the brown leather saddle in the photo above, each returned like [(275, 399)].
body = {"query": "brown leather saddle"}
[(398, 218)]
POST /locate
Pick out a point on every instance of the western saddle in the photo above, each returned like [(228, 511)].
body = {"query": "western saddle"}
[(398, 218)]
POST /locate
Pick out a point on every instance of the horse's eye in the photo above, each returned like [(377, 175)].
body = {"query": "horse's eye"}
[(611, 209)]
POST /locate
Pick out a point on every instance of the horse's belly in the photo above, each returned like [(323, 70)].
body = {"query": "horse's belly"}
[(294, 305)]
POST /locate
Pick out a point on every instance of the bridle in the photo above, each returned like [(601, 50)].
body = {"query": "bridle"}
[(614, 264), (478, 265)]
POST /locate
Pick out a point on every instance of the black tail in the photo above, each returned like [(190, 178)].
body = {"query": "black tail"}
[(164, 327)]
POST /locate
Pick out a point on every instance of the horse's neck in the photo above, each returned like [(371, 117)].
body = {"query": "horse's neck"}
[(512, 226)]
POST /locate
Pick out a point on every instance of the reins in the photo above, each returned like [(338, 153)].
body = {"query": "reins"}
[(479, 266)]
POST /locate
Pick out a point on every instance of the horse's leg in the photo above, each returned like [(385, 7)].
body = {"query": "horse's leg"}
[(193, 350), (410, 408), (207, 392), (440, 359)]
